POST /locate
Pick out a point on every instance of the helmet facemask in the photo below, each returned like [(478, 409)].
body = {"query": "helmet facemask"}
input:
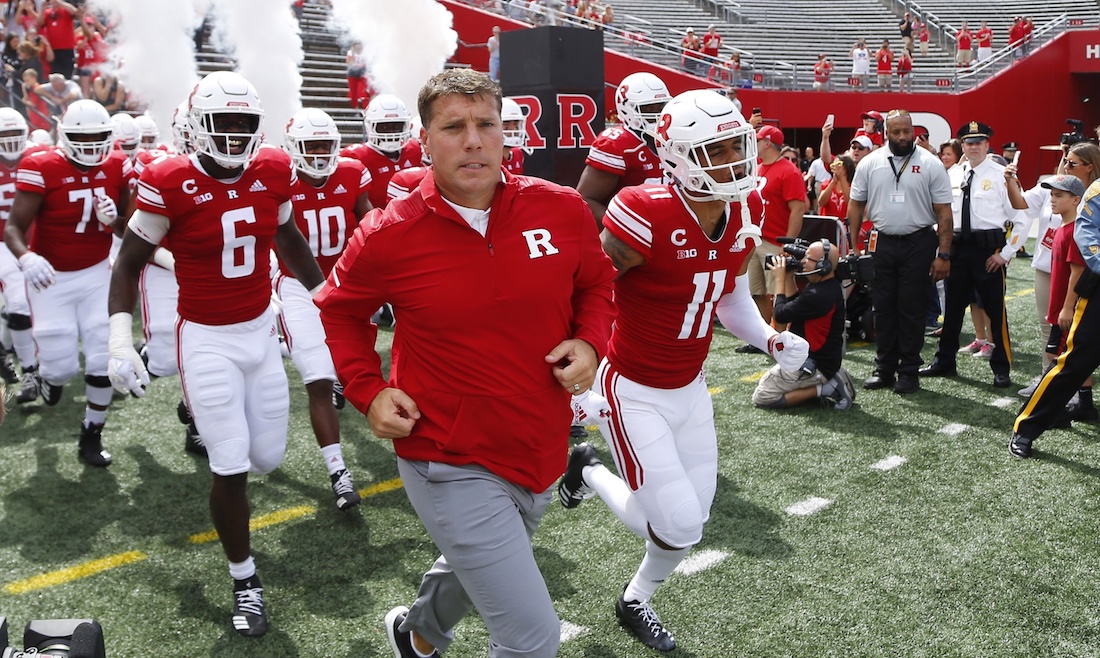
[(230, 137)]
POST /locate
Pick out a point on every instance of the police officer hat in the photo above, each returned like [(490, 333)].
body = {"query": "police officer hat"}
[(974, 130), (1010, 146)]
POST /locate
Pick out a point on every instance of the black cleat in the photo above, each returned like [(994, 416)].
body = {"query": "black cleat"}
[(51, 394), (30, 387), (572, 489), (347, 496), (338, 400), (641, 620), (1019, 446), (183, 413), (248, 607), (578, 432), (401, 641), (91, 446), (193, 442), (748, 349)]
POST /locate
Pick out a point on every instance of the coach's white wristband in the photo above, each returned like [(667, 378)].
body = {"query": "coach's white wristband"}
[(122, 332), (165, 259)]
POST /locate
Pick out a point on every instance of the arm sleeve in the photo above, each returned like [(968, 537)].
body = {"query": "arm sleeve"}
[(740, 316), (149, 226)]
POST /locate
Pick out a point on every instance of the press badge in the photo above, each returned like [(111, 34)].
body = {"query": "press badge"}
[(872, 241), (897, 196)]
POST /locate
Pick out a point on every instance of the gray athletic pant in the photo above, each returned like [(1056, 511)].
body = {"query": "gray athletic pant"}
[(483, 525)]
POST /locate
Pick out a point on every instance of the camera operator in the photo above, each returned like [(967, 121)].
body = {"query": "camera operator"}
[(817, 314)]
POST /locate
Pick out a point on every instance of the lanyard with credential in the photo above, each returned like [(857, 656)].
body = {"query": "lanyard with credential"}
[(904, 165)]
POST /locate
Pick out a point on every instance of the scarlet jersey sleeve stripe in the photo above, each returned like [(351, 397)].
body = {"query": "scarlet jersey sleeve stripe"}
[(608, 160), (150, 195), (31, 178), (395, 191), (630, 222), (364, 180)]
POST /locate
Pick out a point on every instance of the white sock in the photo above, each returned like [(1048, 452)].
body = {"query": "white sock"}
[(417, 651), (618, 497), (24, 347), (657, 565), (334, 458), (242, 570), (94, 416)]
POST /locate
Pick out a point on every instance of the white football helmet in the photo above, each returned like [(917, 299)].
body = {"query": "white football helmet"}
[(388, 123), (181, 128), (13, 133), (689, 124), (149, 131), (511, 111), (40, 136), (639, 100), (126, 133), (85, 118), (219, 94), (313, 125)]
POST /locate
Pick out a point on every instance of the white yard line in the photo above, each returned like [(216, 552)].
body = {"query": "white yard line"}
[(809, 506), (954, 429), (888, 463), (571, 631), (700, 561)]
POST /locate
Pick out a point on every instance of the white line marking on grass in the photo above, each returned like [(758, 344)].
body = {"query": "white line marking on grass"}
[(700, 561), (808, 506), (571, 631), (1003, 403), (888, 463), (954, 429)]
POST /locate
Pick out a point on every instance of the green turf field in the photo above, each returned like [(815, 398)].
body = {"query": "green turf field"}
[(960, 550)]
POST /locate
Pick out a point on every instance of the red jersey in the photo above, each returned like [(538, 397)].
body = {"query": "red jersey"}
[(513, 160), (326, 215), (382, 167), (619, 151), (404, 182), (711, 44), (1016, 34), (779, 183), (220, 232), (665, 318), (985, 38), (544, 279), (875, 137), (1063, 253), (885, 59), (964, 39), (59, 28), (7, 189), (905, 65), (67, 232), (822, 69), (90, 53)]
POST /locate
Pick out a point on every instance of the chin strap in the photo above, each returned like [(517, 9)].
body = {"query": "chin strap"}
[(748, 230)]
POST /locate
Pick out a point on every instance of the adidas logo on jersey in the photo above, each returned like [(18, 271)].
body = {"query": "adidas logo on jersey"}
[(100, 176), (340, 189), (257, 186)]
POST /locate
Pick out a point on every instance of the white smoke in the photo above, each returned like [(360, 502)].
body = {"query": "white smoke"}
[(399, 63), (154, 47), (263, 36)]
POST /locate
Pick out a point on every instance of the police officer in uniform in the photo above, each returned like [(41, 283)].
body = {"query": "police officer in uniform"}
[(904, 191), (1082, 355), (988, 233)]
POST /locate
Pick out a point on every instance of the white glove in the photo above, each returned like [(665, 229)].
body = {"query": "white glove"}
[(165, 259), (125, 368), (37, 270), (105, 210), (789, 350), (276, 304), (590, 407)]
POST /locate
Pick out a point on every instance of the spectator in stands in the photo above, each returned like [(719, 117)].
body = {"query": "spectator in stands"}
[(26, 16), (711, 42), (905, 27), (905, 71), (108, 91), (298, 7), (59, 93), (10, 58), (923, 36), (357, 76), (493, 44), (837, 192), (950, 153), (608, 15), (823, 71), (965, 40), (1029, 27), (872, 126), (536, 13), (37, 109), (691, 46), (91, 52), (57, 22), (1016, 37), (42, 48), (861, 63), (860, 147), (984, 37), (28, 60), (884, 60)]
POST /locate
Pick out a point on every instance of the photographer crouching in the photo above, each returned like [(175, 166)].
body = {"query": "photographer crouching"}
[(817, 314)]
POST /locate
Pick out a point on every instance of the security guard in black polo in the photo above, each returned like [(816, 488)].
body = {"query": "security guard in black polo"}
[(988, 233)]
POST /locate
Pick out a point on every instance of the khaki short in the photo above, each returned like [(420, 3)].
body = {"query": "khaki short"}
[(760, 281), (777, 382)]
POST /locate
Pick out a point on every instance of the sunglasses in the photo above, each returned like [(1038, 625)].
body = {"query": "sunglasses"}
[(792, 159), (1070, 164)]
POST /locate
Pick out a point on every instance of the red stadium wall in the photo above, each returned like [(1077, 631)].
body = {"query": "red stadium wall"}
[(1027, 103)]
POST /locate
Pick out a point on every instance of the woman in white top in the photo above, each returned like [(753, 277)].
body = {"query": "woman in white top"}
[(861, 62)]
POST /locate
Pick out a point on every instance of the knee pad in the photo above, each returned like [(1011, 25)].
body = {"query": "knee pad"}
[(18, 322), (682, 525), (98, 381)]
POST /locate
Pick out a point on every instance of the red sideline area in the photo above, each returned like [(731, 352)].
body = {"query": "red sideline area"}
[(1026, 103)]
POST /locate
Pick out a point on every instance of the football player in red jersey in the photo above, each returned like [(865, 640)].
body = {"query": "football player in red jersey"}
[(329, 198), (623, 156), (72, 195), (515, 135), (17, 312), (681, 250), (221, 211), (390, 146)]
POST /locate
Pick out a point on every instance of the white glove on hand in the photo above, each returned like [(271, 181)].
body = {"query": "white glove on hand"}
[(105, 210), (37, 270), (590, 407), (789, 350), (165, 259), (125, 368), (276, 305)]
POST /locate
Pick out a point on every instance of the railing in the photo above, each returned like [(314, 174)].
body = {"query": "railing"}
[(729, 10)]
